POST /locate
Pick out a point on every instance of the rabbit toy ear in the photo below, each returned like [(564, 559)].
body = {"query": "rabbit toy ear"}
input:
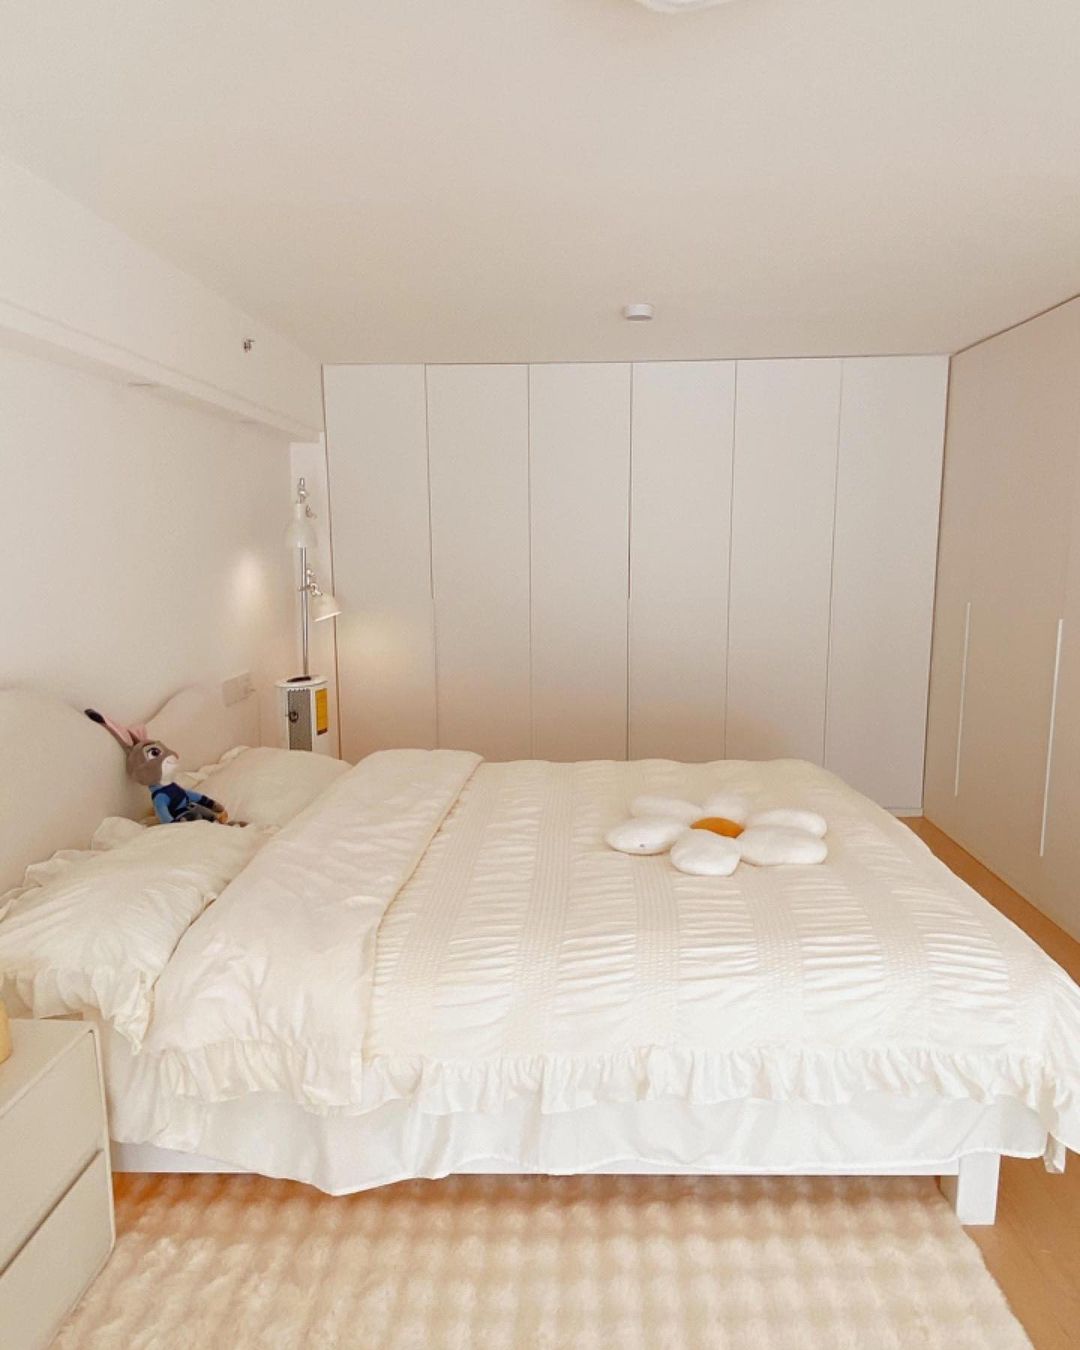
[(126, 737)]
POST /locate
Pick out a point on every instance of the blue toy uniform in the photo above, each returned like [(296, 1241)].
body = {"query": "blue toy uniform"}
[(173, 803)]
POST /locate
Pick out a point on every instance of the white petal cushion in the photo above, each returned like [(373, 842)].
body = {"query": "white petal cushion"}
[(266, 786), (97, 933), (665, 808), (645, 835), (790, 818), (729, 805), (772, 845), (700, 853)]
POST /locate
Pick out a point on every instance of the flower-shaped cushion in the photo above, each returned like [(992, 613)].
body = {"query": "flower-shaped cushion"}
[(711, 840)]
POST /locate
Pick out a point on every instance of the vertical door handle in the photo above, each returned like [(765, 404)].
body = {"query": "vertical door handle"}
[(1050, 737), (963, 698)]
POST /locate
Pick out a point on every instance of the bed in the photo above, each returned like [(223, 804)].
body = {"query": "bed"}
[(437, 966)]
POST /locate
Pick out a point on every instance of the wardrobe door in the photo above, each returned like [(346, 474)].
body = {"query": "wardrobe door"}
[(680, 538), (962, 511), (781, 557), (1058, 891), (888, 486), (1059, 885), (478, 441), (579, 426), (1027, 382), (377, 452)]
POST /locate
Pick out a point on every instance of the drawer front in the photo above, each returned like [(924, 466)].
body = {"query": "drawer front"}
[(44, 1282), (46, 1138)]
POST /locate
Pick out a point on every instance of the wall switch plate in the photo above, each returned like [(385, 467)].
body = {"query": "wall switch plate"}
[(237, 688)]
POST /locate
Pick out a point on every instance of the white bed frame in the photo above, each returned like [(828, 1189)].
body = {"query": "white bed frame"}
[(970, 1185), (60, 776)]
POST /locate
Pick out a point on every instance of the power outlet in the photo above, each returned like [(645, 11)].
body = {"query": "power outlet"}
[(238, 688)]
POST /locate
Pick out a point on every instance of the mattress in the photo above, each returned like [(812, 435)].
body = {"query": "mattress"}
[(440, 961)]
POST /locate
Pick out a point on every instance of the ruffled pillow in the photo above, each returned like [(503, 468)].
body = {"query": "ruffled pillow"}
[(94, 930)]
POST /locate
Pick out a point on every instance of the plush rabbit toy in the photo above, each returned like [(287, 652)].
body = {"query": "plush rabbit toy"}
[(154, 765)]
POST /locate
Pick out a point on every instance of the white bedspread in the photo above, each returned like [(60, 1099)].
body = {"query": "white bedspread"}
[(458, 937)]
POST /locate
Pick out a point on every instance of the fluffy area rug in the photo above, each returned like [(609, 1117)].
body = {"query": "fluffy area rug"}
[(586, 1263)]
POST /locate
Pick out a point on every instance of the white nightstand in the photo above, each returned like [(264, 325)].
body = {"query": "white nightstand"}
[(56, 1210)]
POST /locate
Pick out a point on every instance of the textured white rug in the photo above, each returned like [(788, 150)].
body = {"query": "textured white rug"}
[(588, 1263)]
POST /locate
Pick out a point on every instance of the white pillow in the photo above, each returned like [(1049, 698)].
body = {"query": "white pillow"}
[(700, 853), (775, 846), (791, 818), (649, 807), (644, 834), (731, 805), (98, 931), (266, 786), (111, 833)]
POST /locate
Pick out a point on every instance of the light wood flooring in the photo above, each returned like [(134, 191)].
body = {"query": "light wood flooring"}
[(1033, 1251)]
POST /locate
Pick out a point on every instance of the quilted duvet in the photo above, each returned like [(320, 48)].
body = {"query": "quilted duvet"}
[(456, 934)]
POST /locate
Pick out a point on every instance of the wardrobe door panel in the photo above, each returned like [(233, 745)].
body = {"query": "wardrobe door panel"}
[(884, 556), (1058, 891), (680, 521), (1059, 883), (1026, 381), (478, 441), (377, 453), (962, 512), (781, 557), (579, 422)]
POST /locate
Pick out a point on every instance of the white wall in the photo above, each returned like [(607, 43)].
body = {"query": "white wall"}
[(140, 543), (685, 560), (75, 286)]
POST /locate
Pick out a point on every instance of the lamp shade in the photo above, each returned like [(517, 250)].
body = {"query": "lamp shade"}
[(324, 607), (301, 533)]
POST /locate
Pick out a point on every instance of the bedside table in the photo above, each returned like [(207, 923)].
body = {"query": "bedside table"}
[(56, 1210)]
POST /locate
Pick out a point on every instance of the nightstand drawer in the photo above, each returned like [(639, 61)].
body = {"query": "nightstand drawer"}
[(43, 1283), (47, 1136)]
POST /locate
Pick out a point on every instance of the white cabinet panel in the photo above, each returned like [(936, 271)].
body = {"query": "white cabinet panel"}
[(1028, 393), (478, 442), (377, 451), (680, 516), (580, 467), (961, 515), (782, 527), (1059, 885), (884, 556)]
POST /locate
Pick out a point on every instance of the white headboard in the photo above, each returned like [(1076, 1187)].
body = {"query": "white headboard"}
[(60, 775)]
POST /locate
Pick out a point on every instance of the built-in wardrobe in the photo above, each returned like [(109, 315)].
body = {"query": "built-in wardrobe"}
[(690, 559), (1003, 751)]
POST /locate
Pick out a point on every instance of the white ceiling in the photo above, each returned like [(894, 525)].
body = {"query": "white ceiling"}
[(493, 179)]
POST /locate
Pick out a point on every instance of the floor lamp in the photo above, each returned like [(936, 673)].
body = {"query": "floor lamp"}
[(305, 698)]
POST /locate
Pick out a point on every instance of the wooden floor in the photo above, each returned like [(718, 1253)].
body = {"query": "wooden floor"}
[(1033, 1251)]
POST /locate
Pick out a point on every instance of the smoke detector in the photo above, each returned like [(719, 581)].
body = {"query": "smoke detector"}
[(637, 313)]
